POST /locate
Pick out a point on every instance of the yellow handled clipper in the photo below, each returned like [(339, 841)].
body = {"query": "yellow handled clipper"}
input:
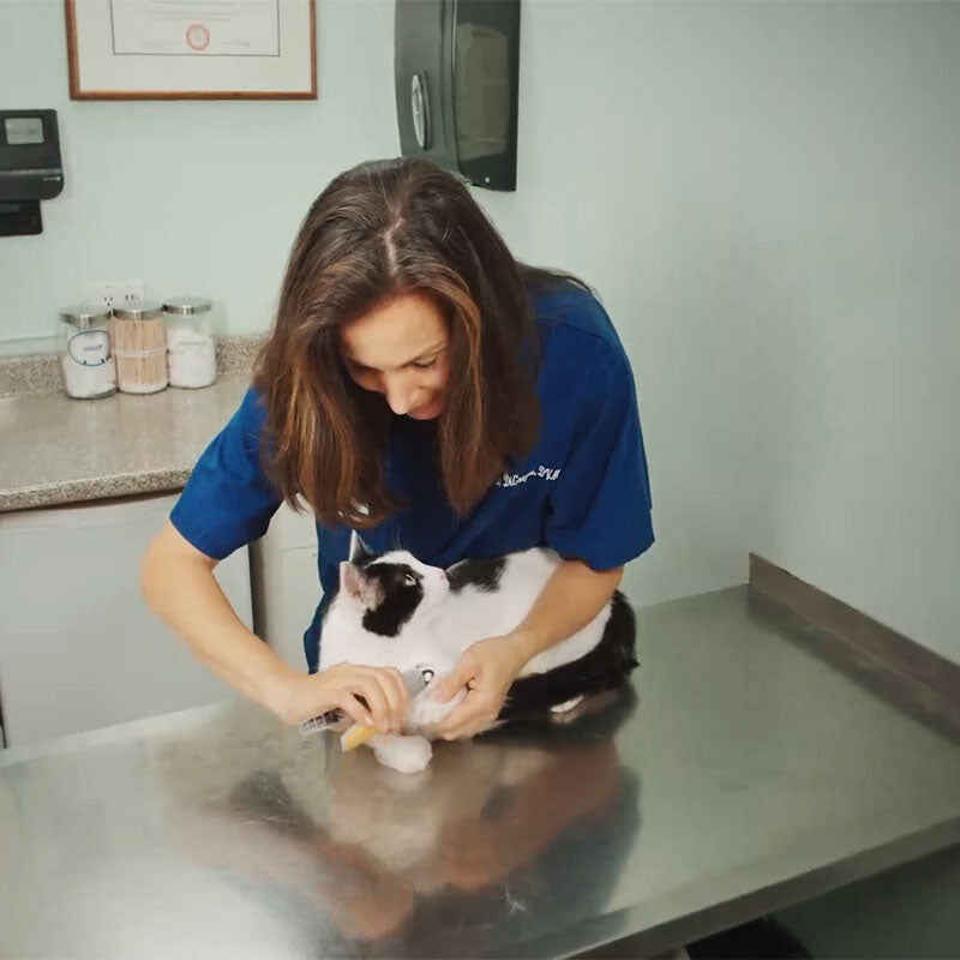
[(356, 735), (415, 680)]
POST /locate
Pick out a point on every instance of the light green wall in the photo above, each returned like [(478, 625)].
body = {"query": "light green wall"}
[(767, 197), (764, 194), (186, 196)]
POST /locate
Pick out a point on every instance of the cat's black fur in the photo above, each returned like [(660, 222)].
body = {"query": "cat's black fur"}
[(402, 590), (606, 666), (483, 574), (400, 598)]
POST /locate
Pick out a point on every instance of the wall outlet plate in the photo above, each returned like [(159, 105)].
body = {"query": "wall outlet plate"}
[(116, 293)]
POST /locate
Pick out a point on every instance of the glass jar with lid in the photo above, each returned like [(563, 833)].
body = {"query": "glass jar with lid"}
[(191, 349), (139, 338), (86, 361)]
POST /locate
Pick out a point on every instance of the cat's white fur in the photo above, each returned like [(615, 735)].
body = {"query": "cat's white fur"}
[(441, 628)]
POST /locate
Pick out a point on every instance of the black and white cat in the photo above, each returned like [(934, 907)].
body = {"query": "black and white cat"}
[(394, 611)]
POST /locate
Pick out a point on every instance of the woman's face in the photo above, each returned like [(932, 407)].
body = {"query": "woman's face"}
[(399, 349)]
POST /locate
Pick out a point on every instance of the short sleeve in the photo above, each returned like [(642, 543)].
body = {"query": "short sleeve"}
[(600, 509), (228, 500)]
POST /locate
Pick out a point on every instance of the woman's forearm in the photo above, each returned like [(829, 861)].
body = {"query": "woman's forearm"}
[(571, 598), (179, 586)]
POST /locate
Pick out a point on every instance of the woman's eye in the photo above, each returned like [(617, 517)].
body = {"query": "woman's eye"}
[(425, 364), (365, 377)]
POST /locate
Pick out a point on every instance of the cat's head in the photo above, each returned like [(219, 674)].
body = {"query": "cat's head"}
[(392, 590)]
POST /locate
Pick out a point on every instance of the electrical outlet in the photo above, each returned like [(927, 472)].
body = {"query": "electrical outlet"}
[(116, 293)]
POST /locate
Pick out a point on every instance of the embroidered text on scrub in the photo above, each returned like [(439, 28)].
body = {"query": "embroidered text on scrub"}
[(541, 473)]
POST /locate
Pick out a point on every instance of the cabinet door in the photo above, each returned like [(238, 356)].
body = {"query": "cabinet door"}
[(291, 594), (286, 583), (79, 648)]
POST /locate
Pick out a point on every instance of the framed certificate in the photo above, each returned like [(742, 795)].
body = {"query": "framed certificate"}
[(191, 49)]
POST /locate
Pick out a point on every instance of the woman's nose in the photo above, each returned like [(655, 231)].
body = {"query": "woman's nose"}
[(399, 394)]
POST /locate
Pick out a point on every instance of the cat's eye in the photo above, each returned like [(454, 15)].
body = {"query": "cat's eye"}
[(409, 579)]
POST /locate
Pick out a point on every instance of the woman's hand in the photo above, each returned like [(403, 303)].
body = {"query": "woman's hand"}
[(487, 668), (343, 685), (571, 598)]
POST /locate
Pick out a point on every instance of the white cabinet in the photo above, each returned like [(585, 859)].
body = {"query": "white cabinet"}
[(286, 582), (78, 646)]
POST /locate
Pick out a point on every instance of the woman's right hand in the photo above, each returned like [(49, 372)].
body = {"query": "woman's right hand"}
[(305, 696)]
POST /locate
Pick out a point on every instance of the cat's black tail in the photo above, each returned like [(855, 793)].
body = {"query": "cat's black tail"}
[(606, 666)]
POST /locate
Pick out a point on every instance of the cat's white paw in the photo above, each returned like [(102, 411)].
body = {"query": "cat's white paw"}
[(567, 705), (404, 754), (425, 711)]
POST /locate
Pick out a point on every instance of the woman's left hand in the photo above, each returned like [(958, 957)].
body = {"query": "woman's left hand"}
[(486, 668)]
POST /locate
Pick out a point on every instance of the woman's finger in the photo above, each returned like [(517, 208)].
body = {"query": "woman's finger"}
[(460, 676), (467, 717), (399, 699), (354, 709), (395, 694), (457, 717), (478, 725), (369, 688)]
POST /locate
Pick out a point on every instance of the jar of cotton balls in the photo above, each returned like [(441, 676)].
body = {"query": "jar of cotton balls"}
[(86, 360), (191, 350)]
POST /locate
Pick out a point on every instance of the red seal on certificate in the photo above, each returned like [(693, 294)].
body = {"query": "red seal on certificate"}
[(198, 36)]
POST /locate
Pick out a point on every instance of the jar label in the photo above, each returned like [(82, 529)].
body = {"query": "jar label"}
[(191, 340), (90, 348)]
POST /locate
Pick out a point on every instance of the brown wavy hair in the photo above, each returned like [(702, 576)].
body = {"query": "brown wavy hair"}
[(380, 230)]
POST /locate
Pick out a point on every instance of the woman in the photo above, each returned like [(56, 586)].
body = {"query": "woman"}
[(424, 388)]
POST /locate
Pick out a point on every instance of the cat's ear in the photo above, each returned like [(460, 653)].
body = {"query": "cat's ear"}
[(358, 549), (356, 584), (351, 579)]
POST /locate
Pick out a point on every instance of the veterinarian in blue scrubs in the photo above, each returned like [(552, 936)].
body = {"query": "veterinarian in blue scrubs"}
[(424, 388)]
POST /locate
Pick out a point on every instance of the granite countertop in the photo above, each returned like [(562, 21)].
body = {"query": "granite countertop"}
[(749, 773), (57, 450)]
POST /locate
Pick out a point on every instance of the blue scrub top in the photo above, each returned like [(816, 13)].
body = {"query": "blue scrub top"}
[(583, 490)]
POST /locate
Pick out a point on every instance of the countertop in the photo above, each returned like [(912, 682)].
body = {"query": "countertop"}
[(57, 450), (742, 772)]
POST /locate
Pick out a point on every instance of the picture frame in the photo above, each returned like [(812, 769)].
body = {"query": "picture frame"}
[(191, 49)]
